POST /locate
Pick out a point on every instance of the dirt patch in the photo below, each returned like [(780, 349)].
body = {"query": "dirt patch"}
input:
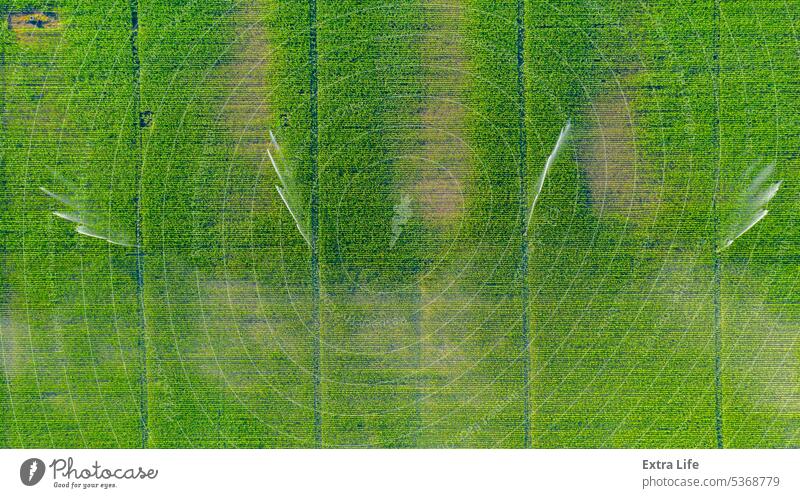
[(245, 109), (442, 173), (620, 183), (29, 26), (440, 196), (34, 19), (238, 87)]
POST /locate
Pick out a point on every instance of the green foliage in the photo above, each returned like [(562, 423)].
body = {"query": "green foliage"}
[(433, 298)]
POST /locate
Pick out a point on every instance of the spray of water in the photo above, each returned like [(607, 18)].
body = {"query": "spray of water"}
[(751, 206), (562, 138), (89, 222), (287, 190)]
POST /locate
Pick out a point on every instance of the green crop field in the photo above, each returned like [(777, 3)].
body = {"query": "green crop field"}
[(291, 223)]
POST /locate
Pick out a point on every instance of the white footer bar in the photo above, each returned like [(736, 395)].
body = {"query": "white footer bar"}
[(401, 473)]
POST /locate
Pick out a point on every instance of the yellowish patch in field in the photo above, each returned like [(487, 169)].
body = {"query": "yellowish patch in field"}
[(10, 349), (32, 359), (468, 375), (776, 358), (244, 76), (241, 324), (32, 26), (383, 325), (761, 368), (37, 107), (448, 321), (239, 86)]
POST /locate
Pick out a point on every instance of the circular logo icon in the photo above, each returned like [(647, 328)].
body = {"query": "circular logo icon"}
[(31, 471)]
